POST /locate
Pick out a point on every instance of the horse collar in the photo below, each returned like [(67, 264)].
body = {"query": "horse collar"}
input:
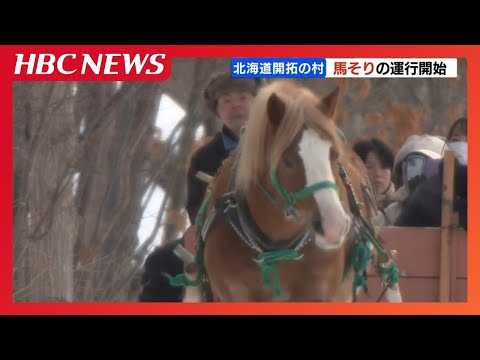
[(234, 206)]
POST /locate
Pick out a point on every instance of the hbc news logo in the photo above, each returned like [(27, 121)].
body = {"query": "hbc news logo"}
[(347, 67), (86, 66)]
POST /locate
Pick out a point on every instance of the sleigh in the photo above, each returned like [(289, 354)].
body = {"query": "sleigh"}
[(432, 262), (427, 271)]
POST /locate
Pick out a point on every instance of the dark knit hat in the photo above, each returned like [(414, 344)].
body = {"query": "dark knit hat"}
[(222, 83)]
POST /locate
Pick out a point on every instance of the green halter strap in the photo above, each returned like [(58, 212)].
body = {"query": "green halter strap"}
[(290, 198)]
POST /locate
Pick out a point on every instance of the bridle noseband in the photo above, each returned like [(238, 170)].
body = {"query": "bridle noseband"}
[(289, 198)]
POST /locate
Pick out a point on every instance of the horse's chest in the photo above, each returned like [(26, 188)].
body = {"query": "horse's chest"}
[(310, 280)]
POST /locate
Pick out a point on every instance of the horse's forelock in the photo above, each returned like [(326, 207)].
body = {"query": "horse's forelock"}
[(293, 123), (262, 145)]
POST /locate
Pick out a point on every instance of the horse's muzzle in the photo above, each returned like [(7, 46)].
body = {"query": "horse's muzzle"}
[(331, 231)]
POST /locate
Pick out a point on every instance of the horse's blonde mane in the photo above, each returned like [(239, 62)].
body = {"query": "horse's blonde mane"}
[(259, 151)]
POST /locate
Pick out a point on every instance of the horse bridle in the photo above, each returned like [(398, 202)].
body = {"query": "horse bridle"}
[(290, 198)]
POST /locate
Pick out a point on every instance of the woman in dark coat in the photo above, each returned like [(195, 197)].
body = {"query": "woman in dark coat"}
[(424, 206)]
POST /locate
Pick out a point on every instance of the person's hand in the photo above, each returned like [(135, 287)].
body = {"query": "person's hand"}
[(190, 239)]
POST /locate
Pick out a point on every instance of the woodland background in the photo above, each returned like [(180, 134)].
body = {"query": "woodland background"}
[(87, 155)]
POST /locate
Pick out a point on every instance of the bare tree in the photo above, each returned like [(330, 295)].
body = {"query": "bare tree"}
[(45, 218), (111, 183)]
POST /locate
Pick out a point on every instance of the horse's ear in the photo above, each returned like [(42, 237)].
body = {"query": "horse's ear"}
[(275, 109), (329, 103)]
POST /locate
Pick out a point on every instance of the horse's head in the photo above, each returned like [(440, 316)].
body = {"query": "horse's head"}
[(293, 147)]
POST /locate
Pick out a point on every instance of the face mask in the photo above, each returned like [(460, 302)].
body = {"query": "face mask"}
[(459, 148)]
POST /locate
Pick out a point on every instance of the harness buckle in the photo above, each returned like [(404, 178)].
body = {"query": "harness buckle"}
[(230, 202), (289, 212), (299, 256)]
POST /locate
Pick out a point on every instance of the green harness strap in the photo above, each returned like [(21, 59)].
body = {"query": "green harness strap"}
[(360, 258), (268, 264), (182, 279), (390, 273)]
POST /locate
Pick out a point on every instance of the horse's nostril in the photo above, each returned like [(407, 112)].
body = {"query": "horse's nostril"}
[(317, 226)]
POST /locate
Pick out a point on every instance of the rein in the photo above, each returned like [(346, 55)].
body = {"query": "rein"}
[(361, 254)]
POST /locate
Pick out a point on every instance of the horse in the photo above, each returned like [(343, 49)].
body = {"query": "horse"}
[(286, 217)]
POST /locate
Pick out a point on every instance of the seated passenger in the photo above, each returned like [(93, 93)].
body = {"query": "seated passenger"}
[(424, 207), (378, 159), (417, 160)]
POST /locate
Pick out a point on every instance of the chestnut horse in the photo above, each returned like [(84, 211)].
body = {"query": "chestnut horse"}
[(286, 216)]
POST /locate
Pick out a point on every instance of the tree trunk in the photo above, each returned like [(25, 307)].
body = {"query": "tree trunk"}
[(113, 180), (46, 220)]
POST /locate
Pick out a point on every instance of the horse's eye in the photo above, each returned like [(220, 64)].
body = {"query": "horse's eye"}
[(288, 162)]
